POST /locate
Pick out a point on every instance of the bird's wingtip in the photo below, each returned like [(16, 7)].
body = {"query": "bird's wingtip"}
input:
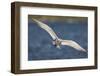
[(83, 50), (33, 19)]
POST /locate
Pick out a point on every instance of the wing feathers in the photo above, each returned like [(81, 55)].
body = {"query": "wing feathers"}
[(54, 36), (72, 44), (46, 28)]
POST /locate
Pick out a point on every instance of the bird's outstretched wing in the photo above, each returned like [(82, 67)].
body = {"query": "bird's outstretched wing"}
[(46, 28), (72, 44)]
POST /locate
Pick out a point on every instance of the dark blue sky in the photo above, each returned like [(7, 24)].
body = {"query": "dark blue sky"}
[(40, 45)]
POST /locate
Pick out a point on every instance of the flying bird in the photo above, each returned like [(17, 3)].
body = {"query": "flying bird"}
[(57, 41)]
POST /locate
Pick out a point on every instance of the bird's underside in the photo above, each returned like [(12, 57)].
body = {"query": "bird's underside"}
[(57, 41)]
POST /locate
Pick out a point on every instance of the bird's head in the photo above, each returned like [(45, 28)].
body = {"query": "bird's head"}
[(57, 43)]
